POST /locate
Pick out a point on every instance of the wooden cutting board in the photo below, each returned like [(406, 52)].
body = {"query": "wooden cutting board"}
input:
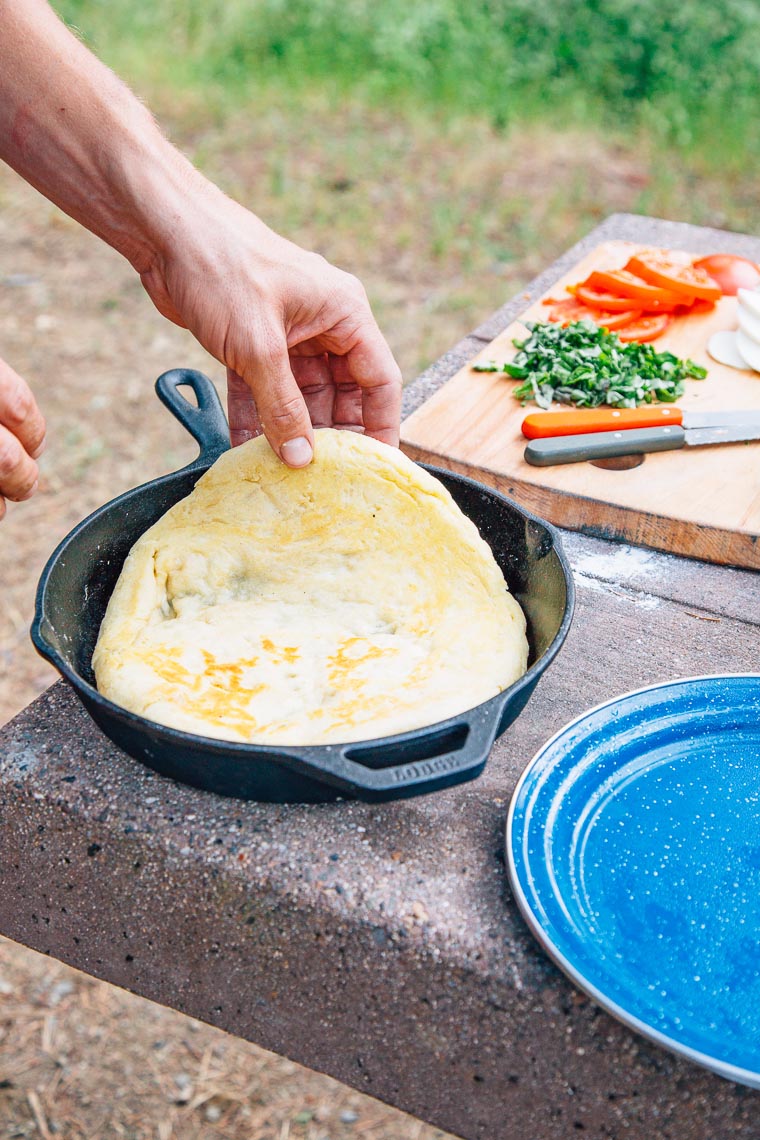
[(703, 502)]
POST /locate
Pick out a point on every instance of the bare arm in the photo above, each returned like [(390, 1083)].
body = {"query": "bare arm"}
[(297, 335)]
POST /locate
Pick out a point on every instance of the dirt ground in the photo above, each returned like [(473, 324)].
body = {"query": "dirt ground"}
[(79, 1058)]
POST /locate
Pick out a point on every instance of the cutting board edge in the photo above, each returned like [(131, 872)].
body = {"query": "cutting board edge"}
[(740, 549)]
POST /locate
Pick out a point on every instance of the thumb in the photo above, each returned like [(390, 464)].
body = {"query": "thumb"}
[(281, 408)]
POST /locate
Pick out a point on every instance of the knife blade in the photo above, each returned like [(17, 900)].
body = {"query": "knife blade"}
[(552, 450), (539, 425)]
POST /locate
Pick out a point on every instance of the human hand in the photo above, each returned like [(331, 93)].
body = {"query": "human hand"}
[(22, 437), (298, 338), (297, 335)]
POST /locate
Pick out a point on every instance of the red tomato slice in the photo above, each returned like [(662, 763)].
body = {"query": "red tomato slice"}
[(565, 312), (648, 328), (616, 321), (613, 303), (624, 283), (730, 271), (599, 299), (690, 308), (661, 269)]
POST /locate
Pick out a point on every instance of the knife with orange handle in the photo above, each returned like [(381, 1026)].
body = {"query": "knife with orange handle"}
[(539, 425), (604, 433)]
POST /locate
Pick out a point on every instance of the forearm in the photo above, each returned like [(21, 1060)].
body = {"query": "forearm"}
[(73, 130), (297, 335)]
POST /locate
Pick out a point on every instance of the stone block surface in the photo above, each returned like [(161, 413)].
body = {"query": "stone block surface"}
[(380, 943)]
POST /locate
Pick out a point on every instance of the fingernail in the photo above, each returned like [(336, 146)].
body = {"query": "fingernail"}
[(296, 452), (36, 454), (30, 492)]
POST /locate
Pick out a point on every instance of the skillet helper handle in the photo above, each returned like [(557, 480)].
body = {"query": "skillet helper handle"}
[(603, 445), (539, 425), (207, 422), (448, 755)]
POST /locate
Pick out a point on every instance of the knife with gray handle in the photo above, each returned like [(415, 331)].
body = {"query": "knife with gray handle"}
[(695, 430)]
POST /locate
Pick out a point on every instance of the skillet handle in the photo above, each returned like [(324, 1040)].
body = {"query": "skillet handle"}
[(207, 422), (450, 754)]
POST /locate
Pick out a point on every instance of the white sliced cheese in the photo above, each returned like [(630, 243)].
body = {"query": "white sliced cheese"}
[(748, 349), (749, 324), (723, 347), (749, 299)]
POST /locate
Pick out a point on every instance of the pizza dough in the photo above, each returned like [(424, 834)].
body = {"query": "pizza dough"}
[(346, 600)]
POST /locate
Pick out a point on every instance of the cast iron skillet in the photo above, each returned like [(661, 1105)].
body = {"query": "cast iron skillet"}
[(79, 577)]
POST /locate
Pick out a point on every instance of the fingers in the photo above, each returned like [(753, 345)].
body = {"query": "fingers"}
[(22, 436), (314, 377), (19, 412), (286, 397), (371, 365), (365, 380), (348, 411), (282, 411), (241, 410), (18, 472), (367, 377)]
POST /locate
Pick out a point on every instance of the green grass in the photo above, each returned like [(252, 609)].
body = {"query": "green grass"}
[(685, 71)]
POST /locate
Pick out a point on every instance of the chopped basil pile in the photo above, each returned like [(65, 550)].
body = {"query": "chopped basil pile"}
[(585, 365)]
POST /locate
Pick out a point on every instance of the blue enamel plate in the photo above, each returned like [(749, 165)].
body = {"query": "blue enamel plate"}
[(633, 844)]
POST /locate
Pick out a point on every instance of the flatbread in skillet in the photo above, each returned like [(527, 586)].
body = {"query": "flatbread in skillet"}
[(346, 600)]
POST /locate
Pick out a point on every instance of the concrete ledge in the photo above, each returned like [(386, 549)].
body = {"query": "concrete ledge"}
[(378, 943)]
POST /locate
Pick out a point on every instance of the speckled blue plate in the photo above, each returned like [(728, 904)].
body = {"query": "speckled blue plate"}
[(633, 845)]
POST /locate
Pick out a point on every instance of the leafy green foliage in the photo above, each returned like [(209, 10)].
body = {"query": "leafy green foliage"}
[(586, 366), (685, 69)]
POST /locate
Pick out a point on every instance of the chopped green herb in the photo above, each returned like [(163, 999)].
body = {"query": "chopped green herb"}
[(585, 365)]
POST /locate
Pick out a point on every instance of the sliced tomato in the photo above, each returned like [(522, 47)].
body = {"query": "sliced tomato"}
[(569, 310), (616, 321), (565, 312), (648, 328), (597, 298), (730, 271), (600, 299), (691, 308), (624, 283), (664, 271)]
